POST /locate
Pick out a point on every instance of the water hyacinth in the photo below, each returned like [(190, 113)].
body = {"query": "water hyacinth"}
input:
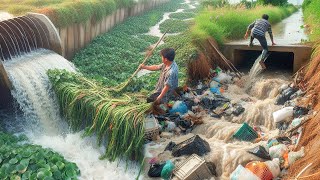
[(118, 119)]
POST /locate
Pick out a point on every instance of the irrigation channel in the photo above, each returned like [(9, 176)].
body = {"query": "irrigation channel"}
[(36, 113)]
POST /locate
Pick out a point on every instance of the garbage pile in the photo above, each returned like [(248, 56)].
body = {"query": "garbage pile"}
[(186, 111)]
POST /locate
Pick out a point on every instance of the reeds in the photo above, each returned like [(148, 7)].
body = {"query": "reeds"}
[(116, 119)]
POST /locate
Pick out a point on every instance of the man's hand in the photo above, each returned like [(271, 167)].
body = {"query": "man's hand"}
[(158, 100), (141, 66), (246, 36)]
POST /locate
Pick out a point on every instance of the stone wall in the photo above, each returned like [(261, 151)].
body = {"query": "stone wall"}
[(76, 36)]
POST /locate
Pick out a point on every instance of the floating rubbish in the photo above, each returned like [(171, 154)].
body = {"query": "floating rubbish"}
[(260, 152), (282, 114), (241, 173), (193, 145), (246, 133)]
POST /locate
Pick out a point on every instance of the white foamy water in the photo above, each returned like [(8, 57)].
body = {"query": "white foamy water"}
[(5, 16), (85, 153), (32, 90), (42, 123)]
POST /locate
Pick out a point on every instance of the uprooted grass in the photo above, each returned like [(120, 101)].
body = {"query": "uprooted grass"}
[(117, 119), (310, 137)]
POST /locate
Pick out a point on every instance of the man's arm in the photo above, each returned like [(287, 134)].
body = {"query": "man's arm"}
[(151, 68), (163, 92), (249, 29), (271, 35)]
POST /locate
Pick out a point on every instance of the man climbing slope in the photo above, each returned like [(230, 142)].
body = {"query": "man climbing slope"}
[(258, 29)]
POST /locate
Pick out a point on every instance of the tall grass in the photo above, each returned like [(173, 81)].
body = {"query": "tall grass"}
[(311, 11), (65, 12), (228, 23)]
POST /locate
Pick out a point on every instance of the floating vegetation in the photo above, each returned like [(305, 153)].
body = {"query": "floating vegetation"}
[(117, 119), (20, 160)]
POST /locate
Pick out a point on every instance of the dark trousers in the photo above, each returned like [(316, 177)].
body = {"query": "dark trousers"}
[(263, 42)]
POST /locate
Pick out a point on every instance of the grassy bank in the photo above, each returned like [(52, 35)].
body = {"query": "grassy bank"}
[(311, 12), (65, 12), (228, 23)]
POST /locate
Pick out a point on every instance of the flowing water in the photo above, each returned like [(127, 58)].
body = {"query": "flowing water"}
[(36, 113)]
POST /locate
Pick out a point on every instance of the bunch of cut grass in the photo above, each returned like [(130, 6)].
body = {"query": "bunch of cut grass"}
[(117, 119)]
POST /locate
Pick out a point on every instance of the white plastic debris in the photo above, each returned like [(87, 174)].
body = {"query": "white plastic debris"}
[(242, 173), (282, 114), (293, 156), (277, 151), (274, 167)]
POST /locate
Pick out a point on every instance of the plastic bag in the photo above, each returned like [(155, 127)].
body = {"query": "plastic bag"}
[(167, 170), (282, 114), (223, 77), (179, 107), (299, 111), (241, 173), (274, 167), (293, 156), (260, 152), (155, 170), (277, 151)]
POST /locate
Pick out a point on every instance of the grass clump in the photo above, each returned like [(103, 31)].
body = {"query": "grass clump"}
[(311, 12), (66, 12), (119, 118), (20, 160)]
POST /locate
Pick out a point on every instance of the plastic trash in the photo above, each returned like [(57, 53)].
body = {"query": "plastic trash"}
[(223, 77), (260, 169), (274, 167), (299, 111), (293, 156), (272, 142), (241, 173), (155, 170), (179, 107), (193, 145), (170, 125), (296, 122), (282, 114), (285, 95), (214, 84), (215, 90), (277, 151), (238, 110), (245, 133), (167, 170), (260, 152)]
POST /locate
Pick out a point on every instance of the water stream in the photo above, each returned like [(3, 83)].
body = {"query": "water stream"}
[(36, 114)]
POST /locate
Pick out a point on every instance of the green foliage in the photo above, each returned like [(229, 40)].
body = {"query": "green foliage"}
[(119, 118), (19, 160), (273, 2), (214, 3), (173, 26), (112, 58), (311, 11), (66, 12), (184, 15), (230, 23)]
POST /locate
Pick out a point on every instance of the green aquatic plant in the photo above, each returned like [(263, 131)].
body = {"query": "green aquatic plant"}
[(116, 118), (21, 160)]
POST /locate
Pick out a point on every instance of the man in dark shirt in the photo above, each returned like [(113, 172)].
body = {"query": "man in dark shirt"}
[(258, 29)]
